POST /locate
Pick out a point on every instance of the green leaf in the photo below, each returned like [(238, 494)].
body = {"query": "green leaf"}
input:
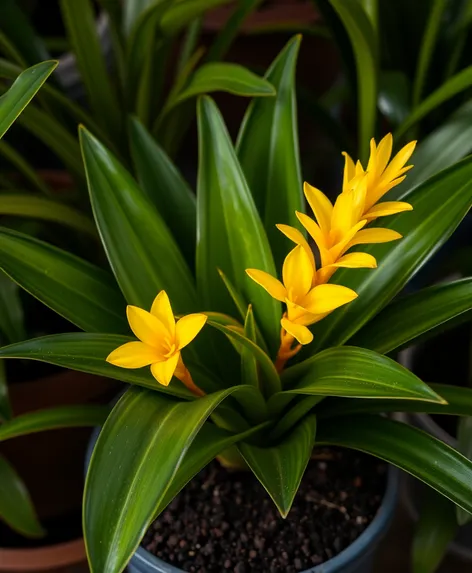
[(427, 458), (20, 32), (75, 416), (394, 95), (280, 468), (77, 290), (249, 373), (24, 205), (364, 45), (140, 248), (133, 10), (267, 149), (79, 20), (446, 145), (55, 136), (12, 325), (13, 102), (20, 165), (464, 438), (271, 376), (137, 455), (433, 24), (16, 507), (455, 85), (87, 353), (434, 531), (458, 402), (166, 188), (439, 205), (224, 77), (354, 373), (5, 406), (413, 315), (179, 14), (225, 208)]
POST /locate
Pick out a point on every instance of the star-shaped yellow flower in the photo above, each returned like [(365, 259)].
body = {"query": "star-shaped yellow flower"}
[(305, 304), (160, 341)]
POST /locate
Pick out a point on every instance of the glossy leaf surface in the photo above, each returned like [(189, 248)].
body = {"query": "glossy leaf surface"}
[(21, 92), (166, 188), (77, 290), (413, 315), (12, 326), (267, 149), (427, 458), (140, 248), (88, 353), (16, 507), (280, 468), (230, 234)]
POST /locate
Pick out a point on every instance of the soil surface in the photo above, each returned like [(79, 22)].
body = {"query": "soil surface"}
[(226, 521)]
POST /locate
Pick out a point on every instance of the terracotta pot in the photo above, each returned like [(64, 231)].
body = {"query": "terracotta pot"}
[(61, 558)]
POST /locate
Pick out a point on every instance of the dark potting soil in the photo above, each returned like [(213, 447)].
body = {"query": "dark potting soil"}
[(225, 521)]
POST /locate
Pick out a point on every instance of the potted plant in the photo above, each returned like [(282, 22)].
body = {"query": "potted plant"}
[(243, 389), (16, 507)]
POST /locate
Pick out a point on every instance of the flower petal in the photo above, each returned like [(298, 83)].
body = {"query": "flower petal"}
[(398, 162), (272, 285), (163, 371), (317, 235), (297, 237), (326, 298), (349, 171), (343, 211), (133, 355), (356, 261), (297, 272), (384, 152), (162, 310), (320, 205), (387, 208), (375, 235), (147, 327), (187, 328), (345, 243), (299, 332)]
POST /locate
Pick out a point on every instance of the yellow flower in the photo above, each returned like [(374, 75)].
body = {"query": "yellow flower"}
[(305, 304), (160, 341), (340, 226)]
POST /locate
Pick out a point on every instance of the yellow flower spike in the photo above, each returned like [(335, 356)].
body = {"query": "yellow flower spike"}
[(160, 341)]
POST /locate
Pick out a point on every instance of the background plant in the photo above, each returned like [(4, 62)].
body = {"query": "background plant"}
[(275, 420)]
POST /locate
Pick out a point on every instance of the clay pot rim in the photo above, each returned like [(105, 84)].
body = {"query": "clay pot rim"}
[(43, 558)]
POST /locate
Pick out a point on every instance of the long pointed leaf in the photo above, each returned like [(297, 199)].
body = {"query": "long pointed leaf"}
[(427, 458), (267, 149), (12, 327), (280, 468), (79, 291), (140, 248), (166, 188), (413, 315), (21, 92), (439, 205), (136, 457), (88, 353), (230, 234), (16, 507), (75, 416)]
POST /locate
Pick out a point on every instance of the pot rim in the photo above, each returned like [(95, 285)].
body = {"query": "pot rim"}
[(43, 558), (366, 542)]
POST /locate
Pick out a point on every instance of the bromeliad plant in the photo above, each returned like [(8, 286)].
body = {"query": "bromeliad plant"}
[(231, 374)]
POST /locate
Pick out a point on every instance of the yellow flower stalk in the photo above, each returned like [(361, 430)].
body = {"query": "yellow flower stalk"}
[(305, 304), (340, 226), (160, 341)]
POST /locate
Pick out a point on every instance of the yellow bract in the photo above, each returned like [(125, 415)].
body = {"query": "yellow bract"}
[(160, 340), (305, 304)]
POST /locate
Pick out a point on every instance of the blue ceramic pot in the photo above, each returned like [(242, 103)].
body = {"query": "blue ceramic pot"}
[(357, 558)]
